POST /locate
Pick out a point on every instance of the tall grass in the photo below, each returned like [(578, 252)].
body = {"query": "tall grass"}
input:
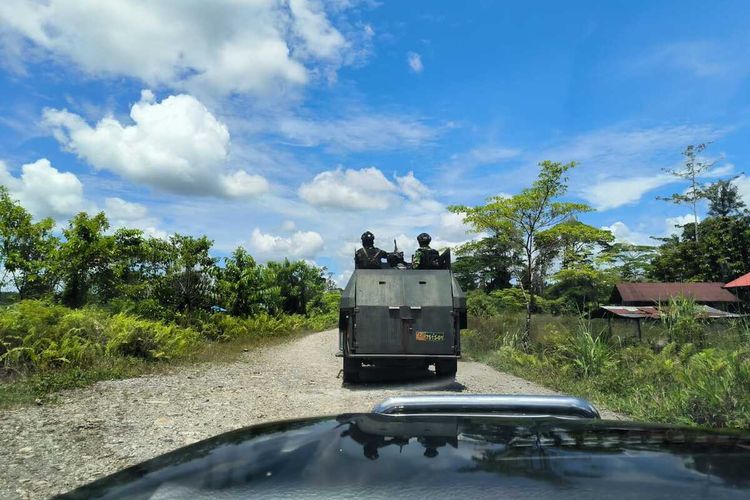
[(684, 382)]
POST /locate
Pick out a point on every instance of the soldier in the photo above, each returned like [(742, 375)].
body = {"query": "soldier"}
[(369, 256), (425, 257)]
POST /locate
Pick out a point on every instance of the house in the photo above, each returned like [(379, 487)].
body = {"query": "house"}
[(649, 294)]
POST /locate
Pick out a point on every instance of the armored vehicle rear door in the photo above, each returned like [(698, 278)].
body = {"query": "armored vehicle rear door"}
[(404, 312)]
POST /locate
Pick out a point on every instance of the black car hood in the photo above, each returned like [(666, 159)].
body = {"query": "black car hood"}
[(371, 455)]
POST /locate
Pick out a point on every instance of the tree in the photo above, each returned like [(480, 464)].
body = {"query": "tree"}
[(485, 263), (248, 288), (301, 284), (27, 249), (578, 242), (529, 219), (583, 287), (631, 262), (722, 254), (691, 171), (84, 259), (189, 278), (724, 199)]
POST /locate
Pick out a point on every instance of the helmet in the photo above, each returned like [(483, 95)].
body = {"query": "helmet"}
[(424, 239), (368, 238)]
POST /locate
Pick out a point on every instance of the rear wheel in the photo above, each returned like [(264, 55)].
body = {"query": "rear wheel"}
[(446, 367), (351, 370)]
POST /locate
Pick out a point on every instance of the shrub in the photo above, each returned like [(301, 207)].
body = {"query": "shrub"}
[(680, 318), (588, 354), (129, 336)]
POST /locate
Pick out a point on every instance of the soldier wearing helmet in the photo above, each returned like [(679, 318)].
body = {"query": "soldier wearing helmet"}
[(425, 257), (369, 256)]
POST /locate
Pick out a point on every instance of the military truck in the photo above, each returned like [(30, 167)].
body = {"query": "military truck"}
[(401, 317)]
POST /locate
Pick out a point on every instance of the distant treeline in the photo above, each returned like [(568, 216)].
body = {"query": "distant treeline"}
[(125, 270)]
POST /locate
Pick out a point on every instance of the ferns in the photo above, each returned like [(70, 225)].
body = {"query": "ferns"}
[(38, 336)]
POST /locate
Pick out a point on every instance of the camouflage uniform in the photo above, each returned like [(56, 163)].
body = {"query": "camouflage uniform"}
[(425, 257)]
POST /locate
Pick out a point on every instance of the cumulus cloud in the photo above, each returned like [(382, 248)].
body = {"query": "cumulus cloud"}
[(45, 191), (415, 62), (673, 225), (412, 187), (624, 234), (743, 186), (364, 189), (301, 244), (176, 145), (224, 46), (123, 213)]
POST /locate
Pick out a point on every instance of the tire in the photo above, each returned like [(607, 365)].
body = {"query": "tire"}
[(351, 370), (446, 367)]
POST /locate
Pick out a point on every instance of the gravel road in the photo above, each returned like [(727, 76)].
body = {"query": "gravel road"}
[(98, 430)]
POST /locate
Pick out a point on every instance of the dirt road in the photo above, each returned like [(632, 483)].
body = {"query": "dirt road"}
[(95, 431)]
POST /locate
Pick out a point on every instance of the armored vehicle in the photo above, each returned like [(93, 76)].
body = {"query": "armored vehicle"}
[(397, 316)]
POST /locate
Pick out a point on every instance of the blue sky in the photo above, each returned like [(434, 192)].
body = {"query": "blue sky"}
[(290, 127)]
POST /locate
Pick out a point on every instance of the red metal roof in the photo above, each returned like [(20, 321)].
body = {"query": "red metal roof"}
[(662, 292), (742, 281)]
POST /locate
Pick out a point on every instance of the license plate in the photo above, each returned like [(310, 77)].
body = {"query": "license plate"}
[(430, 336)]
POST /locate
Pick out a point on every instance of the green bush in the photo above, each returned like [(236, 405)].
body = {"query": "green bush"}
[(681, 383)]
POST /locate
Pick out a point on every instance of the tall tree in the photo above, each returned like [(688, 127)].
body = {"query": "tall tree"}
[(631, 262), (485, 263), (693, 168), (189, 280), (247, 287), (724, 199), (27, 249), (529, 218), (85, 256)]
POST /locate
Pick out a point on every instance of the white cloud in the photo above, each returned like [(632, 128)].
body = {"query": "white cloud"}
[(452, 226), (176, 145), (673, 225), (45, 191), (615, 192), (412, 187), (222, 47), (125, 214), (415, 62), (623, 234), (302, 244), (364, 189), (743, 187)]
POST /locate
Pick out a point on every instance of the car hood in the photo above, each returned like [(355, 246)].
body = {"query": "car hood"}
[(365, 455)]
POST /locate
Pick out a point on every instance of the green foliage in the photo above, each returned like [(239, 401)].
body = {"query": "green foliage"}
[(27, 250), (681, 384), (722, 253), (582, 288), (587, 353), (537, 225), (681, 318)]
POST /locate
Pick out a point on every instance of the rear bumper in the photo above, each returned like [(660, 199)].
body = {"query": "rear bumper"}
[(399, 356)]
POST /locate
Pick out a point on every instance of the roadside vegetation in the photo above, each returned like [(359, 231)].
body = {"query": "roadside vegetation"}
[(685, 371), (535, 274), (93, 304)]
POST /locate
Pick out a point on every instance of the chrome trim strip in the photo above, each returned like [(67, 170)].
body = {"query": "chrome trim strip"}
[(489, 404)]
